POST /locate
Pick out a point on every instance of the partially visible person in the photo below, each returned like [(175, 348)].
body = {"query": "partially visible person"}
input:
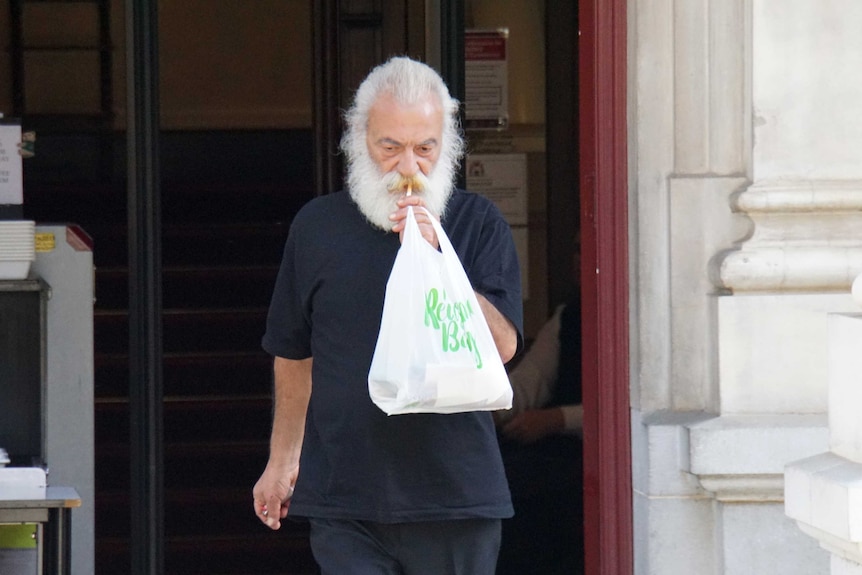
[(540, 438), (418, 493), (546, 382)]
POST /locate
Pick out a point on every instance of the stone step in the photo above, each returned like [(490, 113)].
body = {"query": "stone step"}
[(252, 553), (223, 286), (192, 427), (187, 330), (196, 244), (198, 374)]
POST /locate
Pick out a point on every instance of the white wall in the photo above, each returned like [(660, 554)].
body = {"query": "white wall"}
[(746, 146), (806, 89)]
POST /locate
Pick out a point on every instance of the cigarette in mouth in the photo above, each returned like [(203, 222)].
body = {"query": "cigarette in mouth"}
[(409, 189)]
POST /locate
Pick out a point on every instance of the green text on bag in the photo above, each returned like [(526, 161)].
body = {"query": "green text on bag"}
[(450, 319)]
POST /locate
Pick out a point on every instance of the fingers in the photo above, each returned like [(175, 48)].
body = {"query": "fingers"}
[(399, 216), (421, 214), (261, 509), (273, 521), (404, 200), (271, 510)]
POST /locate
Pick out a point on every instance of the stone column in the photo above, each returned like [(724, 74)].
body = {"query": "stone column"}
[(784, 279)]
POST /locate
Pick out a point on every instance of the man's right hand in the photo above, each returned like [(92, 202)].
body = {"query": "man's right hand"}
[(272, 494)]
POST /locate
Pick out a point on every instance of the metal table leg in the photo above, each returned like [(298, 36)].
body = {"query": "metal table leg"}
[(58, 542)]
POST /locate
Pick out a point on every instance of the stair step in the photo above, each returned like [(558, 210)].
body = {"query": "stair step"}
[(221, 245), (196, 244), (226, 464), (187, 330), (253, 554), (92, 204), (235, 424), (233, 203), (194, 286), (281, 555), (208, 244), (229, 373), (202, 512)]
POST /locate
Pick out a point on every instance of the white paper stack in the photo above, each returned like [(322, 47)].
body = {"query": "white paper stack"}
[(22, 482), (17, 248)]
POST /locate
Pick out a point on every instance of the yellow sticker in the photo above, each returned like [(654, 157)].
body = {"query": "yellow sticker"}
[(45, 242)]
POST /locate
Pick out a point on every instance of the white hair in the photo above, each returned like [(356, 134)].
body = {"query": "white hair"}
[(409, 82)]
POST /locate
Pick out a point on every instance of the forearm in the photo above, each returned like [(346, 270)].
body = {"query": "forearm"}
[(504, 333), (573, 417), (530, 388), (292, 394), (535, 377)]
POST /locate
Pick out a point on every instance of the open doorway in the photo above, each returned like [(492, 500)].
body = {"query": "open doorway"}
[(541, 436), (584, 207)]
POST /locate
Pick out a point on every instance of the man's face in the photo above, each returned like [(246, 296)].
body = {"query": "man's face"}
[(405, 139), (402, 149)]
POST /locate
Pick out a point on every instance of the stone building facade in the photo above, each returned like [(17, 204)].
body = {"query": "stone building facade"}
[(745, 162)]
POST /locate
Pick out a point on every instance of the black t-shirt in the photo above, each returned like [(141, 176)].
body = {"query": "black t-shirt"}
[(357, 462)]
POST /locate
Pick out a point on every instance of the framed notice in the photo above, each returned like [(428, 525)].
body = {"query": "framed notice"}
[(502, 178), (486, 79), (11, 169)]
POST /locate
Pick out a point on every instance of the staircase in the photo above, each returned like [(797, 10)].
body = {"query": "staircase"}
[(221, 247)]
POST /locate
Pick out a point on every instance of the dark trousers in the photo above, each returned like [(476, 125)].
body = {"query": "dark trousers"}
[(456, 547)]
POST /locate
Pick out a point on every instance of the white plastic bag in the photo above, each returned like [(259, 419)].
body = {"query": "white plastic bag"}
[(435, 352)]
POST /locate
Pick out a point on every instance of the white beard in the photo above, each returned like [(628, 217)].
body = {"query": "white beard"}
[(370, 188)]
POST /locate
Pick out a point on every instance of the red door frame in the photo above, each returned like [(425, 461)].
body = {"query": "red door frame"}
[(604, 281)]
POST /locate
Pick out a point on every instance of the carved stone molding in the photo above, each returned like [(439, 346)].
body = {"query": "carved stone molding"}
[(749, 488), (806, 236)]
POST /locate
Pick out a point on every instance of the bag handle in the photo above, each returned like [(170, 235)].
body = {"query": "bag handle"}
[(445, 244)]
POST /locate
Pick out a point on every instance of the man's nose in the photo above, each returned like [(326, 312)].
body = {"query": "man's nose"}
[(407, 163)]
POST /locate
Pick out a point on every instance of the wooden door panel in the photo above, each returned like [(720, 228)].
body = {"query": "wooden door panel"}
[(350, 38)]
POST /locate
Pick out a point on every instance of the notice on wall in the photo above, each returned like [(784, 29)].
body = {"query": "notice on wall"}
[(502, 178), (486, 79), (11, 169)]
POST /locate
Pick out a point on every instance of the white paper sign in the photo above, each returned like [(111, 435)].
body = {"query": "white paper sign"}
[(11, 169), (486, 79), (502, 178)]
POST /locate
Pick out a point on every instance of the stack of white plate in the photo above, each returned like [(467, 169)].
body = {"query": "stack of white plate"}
[(17, 248), (22, 483)]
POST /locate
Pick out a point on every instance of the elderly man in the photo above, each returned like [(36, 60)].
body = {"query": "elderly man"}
[(420, 493)]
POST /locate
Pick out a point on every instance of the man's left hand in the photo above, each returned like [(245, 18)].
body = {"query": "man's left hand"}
[(422, 215)]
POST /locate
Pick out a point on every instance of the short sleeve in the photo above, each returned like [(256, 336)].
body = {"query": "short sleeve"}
[(288, 330), (495, 271)]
